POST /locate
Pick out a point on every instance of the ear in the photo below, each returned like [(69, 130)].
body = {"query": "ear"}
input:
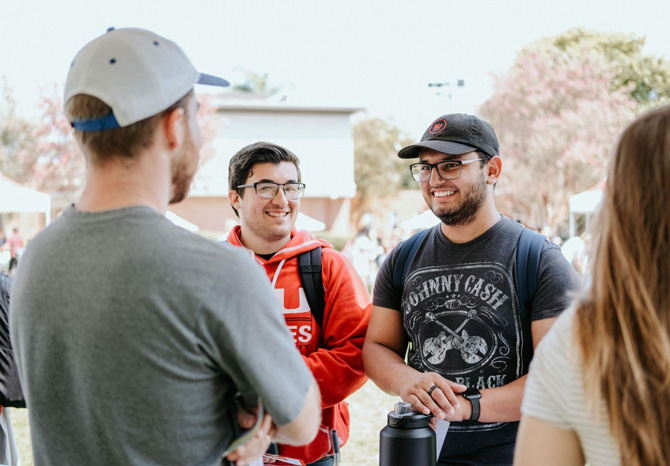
[(493, 169), (234, 199), (175, 128)]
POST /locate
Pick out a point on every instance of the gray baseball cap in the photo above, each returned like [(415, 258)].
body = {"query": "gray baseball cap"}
[(136, 72)]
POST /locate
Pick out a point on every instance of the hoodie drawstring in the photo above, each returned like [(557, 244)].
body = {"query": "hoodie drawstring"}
[(276, 275)]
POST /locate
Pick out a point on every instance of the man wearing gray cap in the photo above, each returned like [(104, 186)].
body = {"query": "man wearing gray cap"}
[(457, 305), (136, 339)]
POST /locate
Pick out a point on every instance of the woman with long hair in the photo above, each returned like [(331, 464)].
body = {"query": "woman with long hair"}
[(599, 385)]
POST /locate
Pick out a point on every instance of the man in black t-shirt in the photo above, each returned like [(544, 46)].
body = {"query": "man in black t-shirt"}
[(470, 342)]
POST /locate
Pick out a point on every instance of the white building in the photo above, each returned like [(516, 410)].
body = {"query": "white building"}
[(321, 136)]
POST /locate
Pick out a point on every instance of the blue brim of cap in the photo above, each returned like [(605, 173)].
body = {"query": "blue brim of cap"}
[(446, 147), (211, 80), (96, 124)]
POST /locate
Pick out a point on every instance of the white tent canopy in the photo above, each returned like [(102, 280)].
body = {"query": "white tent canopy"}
[(15, 198), (585, 203), (305, 222), (425, 219), (181, 222)]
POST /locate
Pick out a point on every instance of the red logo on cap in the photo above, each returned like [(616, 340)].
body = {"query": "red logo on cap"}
[(437, 126)]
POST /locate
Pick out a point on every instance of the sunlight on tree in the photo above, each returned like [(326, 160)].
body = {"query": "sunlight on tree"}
[(40, 154), (378, 172), (558, 117), (44, 155), (646, 77)]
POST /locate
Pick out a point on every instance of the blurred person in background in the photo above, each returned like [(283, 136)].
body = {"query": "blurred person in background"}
[(599, 386), (15, 248), (363, 253)]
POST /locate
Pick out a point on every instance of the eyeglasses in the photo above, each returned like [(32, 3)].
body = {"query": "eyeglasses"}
[(268, 189), (447, 169)]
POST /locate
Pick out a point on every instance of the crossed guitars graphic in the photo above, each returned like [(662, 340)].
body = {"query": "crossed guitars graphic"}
[(472, 348)]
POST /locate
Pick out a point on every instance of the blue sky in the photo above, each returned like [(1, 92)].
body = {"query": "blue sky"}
[(364, 53)]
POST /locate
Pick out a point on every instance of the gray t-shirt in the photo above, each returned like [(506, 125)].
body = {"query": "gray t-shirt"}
[(132, 336), (463, 319)]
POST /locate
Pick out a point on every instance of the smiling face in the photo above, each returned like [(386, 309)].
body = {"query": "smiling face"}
[(457, 201), (267, 223)]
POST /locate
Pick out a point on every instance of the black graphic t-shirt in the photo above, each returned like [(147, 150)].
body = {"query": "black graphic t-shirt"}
[(461, 312)]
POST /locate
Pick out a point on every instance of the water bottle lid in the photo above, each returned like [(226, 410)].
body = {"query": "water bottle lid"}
[(402, 417)]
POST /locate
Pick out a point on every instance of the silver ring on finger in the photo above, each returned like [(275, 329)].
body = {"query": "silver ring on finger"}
[(430, 390)]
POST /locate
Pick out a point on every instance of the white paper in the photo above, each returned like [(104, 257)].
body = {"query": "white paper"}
[(440, 435), (271, 460)]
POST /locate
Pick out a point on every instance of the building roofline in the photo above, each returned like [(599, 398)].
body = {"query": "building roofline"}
[(222, 107)]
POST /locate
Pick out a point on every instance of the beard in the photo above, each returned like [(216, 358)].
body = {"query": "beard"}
[(184, 166), (465, 213)]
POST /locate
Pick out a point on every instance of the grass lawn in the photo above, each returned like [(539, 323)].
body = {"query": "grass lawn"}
[(369, 407), (19, 418)]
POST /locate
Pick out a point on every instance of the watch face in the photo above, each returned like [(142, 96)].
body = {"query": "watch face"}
[(472, 393)]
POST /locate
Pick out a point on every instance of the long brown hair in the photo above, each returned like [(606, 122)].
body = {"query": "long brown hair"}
[(623, 322)]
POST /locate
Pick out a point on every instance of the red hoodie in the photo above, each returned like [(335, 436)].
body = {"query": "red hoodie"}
[(337, 365)]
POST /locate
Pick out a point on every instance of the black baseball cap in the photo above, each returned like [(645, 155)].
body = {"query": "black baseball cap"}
[(456, 133)]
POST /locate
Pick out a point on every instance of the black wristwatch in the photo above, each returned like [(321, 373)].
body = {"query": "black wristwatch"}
[(473, 395)]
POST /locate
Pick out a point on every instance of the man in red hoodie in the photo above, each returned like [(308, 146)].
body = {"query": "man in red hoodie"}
[(265, 190)]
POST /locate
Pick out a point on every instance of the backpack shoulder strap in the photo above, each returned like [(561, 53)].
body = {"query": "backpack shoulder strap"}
[(309, 267), (405, 255), (527, 266)]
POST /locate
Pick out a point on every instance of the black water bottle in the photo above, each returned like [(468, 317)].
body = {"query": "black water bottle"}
[(407, 440)]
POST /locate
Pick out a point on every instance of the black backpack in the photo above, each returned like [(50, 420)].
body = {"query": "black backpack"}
[(527, 264), (309, 267)]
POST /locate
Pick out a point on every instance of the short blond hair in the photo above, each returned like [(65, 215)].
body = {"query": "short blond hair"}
[(126, 142)]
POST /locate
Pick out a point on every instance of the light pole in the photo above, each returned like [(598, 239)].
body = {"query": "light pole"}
[(459, 83)]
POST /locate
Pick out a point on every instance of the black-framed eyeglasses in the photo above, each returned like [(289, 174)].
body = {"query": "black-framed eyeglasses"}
[(447, 169), (268, 189)]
